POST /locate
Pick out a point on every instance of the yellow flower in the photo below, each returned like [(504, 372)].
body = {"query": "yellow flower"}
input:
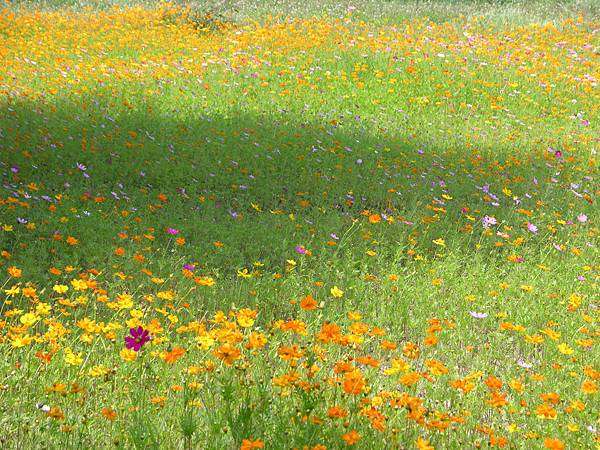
[(245, 317), (79, 285), (124, 301), (565, 349), (21, 341), (98, 371), (205, 342), (440, 242), (127, 354), (60, 288), (29, 319), (73, 359), (336, 292), (14, 290)]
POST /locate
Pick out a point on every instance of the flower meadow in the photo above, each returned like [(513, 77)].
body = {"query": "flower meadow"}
[(316, 232)]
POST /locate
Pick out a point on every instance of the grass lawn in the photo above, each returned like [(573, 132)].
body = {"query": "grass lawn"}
[(299, 225)]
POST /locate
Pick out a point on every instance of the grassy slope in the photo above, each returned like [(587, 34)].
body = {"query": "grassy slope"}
[(286, 157)]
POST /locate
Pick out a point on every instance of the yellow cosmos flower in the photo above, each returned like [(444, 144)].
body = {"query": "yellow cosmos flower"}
[(336, 292)]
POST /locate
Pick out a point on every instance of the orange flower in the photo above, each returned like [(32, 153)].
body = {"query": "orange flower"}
[(228, 353), (248, 444), (374, 218), (354, 382), (72, 241), (554, 444), (308, 303), (56, 413), (174, 355), (119, 251), (497, 400), (15, 272), (545, 411), (351, 437), (411, 350), (589, 387), (423, 444), (335, 412), (109, 414), (493, 383)]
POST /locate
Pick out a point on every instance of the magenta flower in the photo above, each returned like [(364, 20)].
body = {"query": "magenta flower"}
[(138, 338), (300, 249), (172, 231)]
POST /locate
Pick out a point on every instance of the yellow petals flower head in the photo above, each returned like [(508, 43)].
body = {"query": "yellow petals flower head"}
[(336, 292), (60, 288), (28, 319), (245, 317), (440, 242), (73, 359)]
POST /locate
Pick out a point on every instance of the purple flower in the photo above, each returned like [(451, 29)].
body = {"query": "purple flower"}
[(138, 338), (488, 221), (478, 315), (558, 154), (523, 364), (172, 231), (300, 249), (531, 227), (188, 266)]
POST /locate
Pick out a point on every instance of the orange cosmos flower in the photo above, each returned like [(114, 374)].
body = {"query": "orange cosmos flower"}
[(228, 353), (351, 437), (15, 272), (374, 218), (554, 444), (109, 414), (308, 303), (174, 355), (248, 444), (354, 382)]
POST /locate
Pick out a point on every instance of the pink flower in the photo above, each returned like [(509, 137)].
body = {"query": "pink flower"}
[(582, 218), (531, 227), (172, 231)]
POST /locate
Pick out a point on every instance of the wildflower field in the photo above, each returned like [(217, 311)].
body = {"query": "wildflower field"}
[(349, 226)]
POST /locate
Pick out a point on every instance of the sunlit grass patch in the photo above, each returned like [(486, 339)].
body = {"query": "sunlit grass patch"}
[(312, 231)]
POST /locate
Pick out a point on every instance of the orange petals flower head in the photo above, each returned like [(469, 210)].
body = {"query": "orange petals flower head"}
[(308, 303), (174, 355), (249, 444), (351, 437), (228, 353), (354, 382)]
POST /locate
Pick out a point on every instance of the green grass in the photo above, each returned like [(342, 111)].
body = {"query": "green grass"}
[(211, 133)]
